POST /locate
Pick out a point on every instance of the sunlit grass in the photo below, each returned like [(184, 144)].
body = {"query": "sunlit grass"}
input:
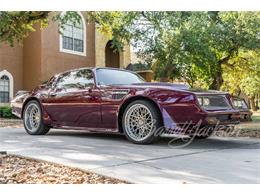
[(256, 118)]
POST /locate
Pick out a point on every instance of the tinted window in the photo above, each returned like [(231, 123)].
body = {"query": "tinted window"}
[(117, 77), (80, 79)]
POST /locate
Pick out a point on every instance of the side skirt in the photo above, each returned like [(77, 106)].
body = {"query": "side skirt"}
[(97, 130)]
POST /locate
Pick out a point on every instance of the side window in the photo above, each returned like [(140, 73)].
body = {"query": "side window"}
[(71, 81), (84, 78), (64, 80)]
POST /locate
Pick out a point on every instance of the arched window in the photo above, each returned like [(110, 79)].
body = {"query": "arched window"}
[(4, 89), (73, 37)]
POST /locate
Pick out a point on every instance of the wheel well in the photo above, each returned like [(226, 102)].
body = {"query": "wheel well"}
[(127, 102), (26, 102)]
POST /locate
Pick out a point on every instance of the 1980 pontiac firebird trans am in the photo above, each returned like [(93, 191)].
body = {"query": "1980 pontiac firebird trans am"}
[(115, 100)]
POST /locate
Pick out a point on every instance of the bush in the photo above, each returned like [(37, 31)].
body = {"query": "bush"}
[(6, 112)]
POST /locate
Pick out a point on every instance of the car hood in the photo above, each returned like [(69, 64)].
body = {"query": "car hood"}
[(163, 85), (178, 87)]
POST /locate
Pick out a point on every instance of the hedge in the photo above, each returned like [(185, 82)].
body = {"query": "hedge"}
[(6, 112)]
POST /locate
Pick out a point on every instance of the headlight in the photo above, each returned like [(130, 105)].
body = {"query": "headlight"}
[(213, 102)]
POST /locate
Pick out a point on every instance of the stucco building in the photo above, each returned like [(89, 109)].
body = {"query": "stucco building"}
[(47, 52)]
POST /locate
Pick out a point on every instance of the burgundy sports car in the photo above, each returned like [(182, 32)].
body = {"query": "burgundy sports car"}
[(115, 100)]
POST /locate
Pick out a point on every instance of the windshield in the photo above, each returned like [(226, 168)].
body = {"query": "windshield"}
[(117, 77), (49, 82)]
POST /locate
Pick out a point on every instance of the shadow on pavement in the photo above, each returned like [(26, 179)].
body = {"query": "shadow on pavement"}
[(210, 143)]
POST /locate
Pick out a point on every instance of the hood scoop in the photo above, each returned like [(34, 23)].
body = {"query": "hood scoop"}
[(119, 94)]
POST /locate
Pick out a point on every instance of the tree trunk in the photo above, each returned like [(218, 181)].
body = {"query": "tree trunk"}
[(164, 79), (217, 81), (257, 101), (218, 78), (252, 103)]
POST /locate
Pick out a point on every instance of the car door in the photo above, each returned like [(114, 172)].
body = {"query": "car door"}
[(74, 101), (111, 99)]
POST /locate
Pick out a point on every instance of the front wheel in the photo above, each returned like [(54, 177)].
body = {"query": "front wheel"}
[(141, 122), (32, 119)]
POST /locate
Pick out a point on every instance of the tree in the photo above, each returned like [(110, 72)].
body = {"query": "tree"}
[(234, 31), (195, 46), (175, 41), (15, 26), (243, 76)]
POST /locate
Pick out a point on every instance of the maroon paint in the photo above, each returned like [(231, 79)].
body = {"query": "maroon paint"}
[(96, 109)]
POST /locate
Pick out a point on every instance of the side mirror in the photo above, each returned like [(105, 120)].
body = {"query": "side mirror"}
[(42, 86), (57, 89)]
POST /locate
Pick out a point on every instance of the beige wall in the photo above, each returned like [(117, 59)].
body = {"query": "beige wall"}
[(43, 58), (53, 61), (125, 57), (39, 56), (11, 59), (100, 45), (32, 60)]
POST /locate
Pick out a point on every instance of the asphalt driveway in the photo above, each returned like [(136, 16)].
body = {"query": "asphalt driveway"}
[(215, 160)]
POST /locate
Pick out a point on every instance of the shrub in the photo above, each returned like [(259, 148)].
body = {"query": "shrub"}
[(6, 112)]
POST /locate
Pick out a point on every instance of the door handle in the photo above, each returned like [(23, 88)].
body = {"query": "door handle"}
[(87, 91)]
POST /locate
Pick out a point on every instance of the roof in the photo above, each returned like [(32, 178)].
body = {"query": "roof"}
[(93, 68)]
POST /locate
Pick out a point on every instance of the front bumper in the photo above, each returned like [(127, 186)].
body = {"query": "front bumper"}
[(16, 109), (201, 119), (224, 118)]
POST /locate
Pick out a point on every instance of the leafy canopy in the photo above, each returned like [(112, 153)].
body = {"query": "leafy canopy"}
[(190, 45), (199, 47), (16, 25)]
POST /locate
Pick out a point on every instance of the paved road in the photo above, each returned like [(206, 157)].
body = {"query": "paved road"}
[(215, 160)]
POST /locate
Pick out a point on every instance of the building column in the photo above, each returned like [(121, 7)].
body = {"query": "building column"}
[(100, 47)]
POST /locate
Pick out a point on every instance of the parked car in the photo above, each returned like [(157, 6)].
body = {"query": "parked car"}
[(115, 100), (244, 111)]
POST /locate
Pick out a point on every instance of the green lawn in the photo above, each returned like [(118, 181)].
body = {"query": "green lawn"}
[(256, 118)]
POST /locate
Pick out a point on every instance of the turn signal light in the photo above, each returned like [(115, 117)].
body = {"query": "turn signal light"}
[(212, 120)]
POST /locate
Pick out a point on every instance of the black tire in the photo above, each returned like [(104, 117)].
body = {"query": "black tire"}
[(154, 134), (42, 129)]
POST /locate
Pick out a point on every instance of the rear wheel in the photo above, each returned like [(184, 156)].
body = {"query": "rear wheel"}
[(32, 119), (141, 122)]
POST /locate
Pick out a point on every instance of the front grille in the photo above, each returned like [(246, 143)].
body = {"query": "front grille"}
[(213, 102)]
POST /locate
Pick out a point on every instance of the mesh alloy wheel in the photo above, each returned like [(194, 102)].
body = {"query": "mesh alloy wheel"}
[(32, 119), (140, 122)]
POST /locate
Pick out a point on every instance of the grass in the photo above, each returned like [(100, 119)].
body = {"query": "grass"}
[(256, 118)]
